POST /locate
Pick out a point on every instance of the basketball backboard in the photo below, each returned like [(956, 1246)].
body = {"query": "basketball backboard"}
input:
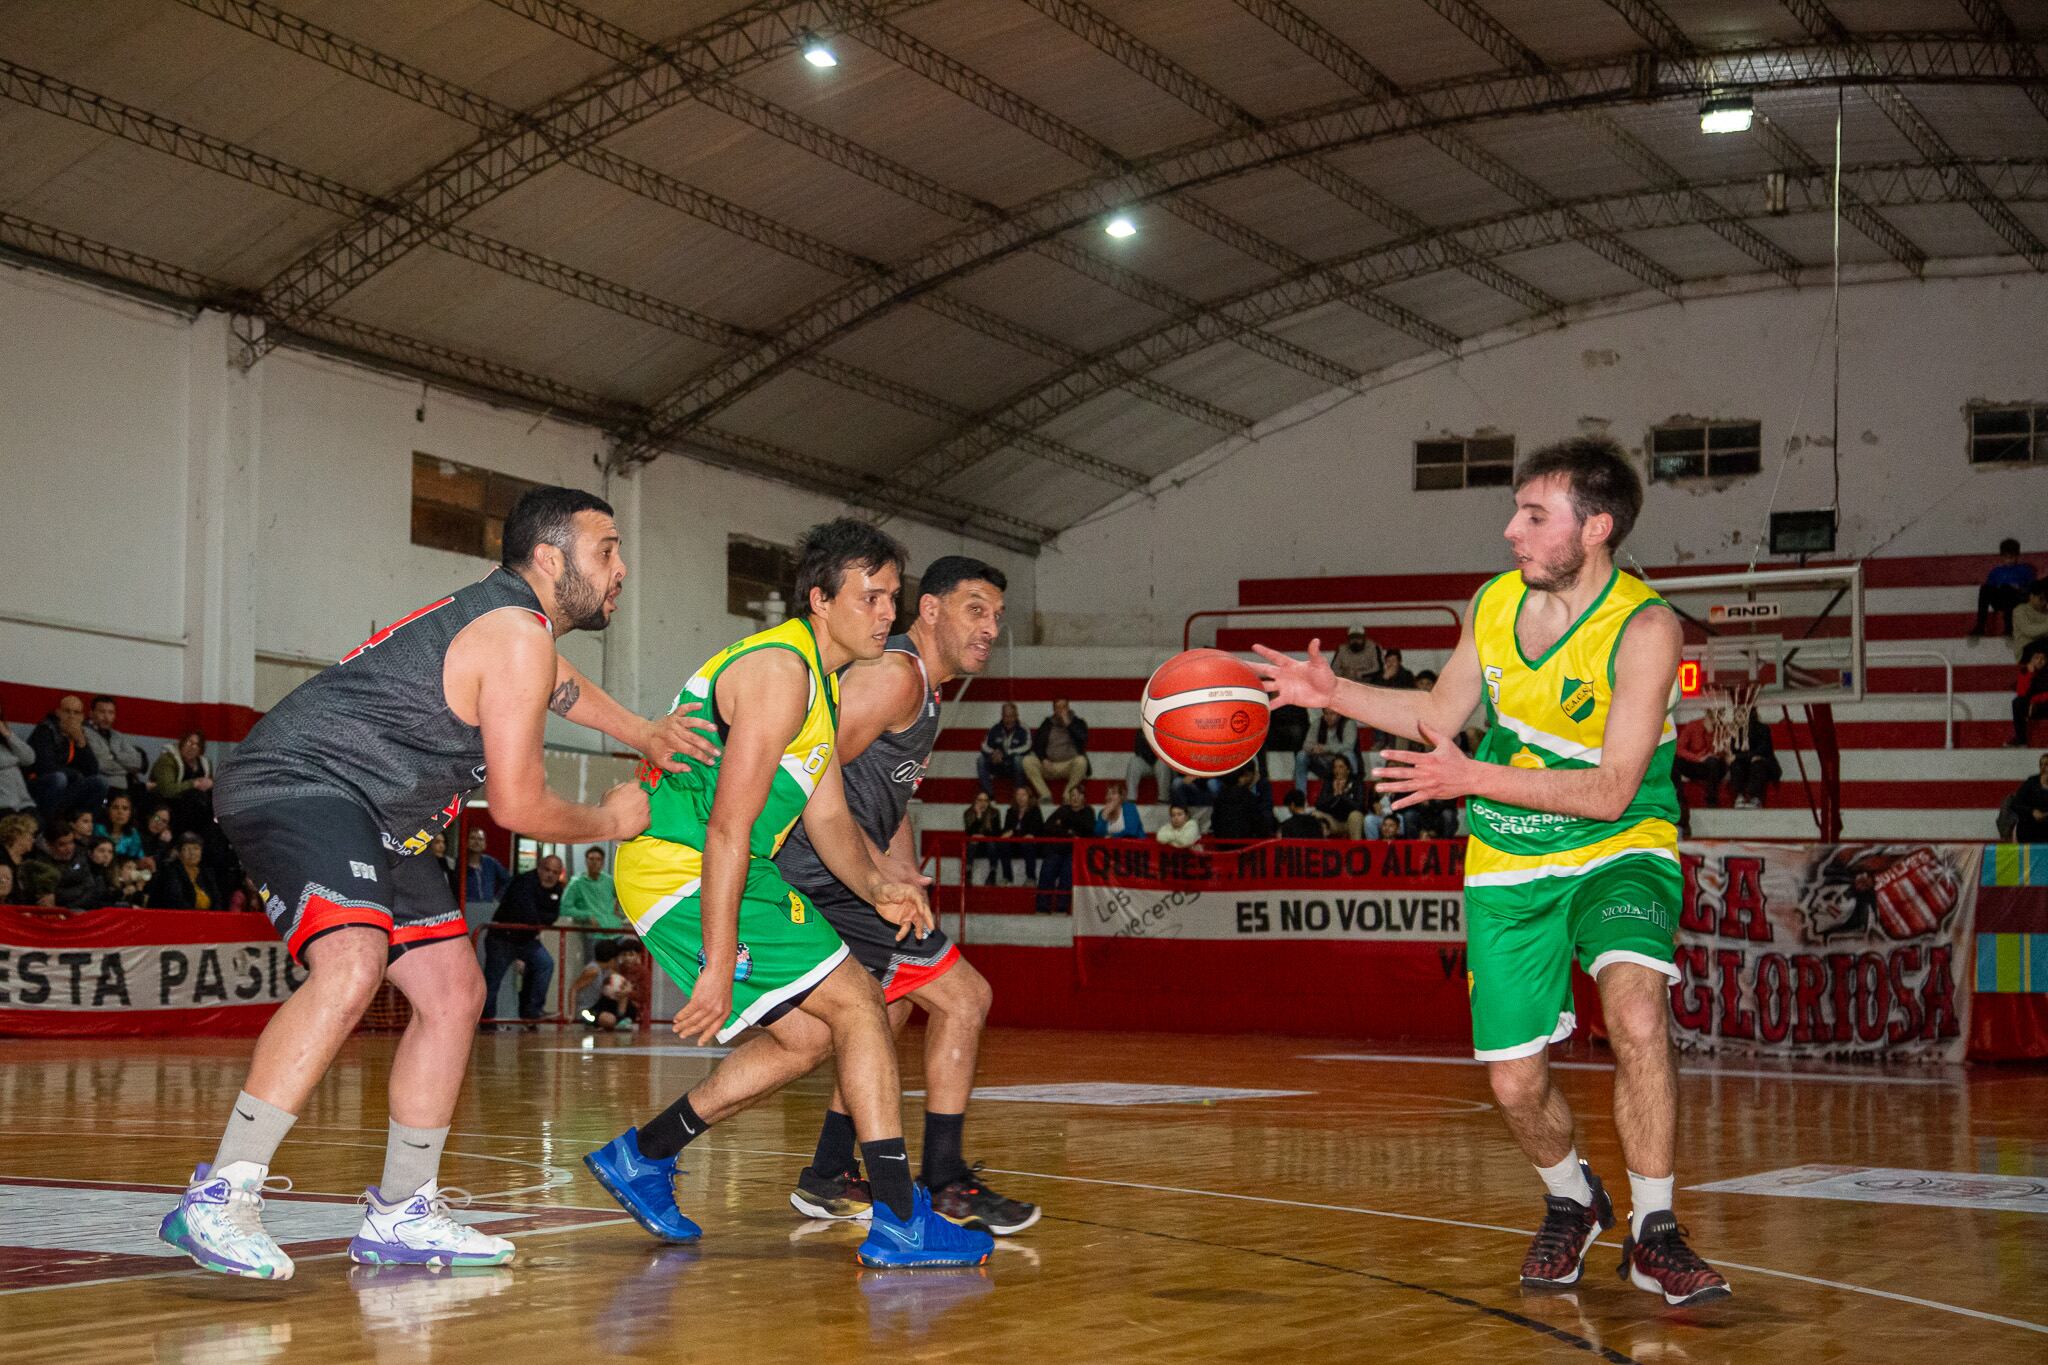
[(1795, 635)]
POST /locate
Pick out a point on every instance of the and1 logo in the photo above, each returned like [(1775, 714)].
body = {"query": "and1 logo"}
[(1577, 698)]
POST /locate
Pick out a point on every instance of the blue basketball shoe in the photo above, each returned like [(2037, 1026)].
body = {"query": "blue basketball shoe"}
[(926, 1239), (643, 1186)]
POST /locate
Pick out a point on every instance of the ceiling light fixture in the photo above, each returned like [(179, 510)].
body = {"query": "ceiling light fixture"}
[(1120, 227), (817, 54), (1727, 114)]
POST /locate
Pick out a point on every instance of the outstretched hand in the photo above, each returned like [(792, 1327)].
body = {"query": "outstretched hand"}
[(681, 732), (1296, 682), (1442, 772)]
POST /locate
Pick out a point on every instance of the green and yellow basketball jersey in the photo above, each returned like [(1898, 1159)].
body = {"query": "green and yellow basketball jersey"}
[(1551, 712), (681, 802)]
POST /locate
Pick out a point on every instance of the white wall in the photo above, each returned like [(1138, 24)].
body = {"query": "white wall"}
[(1327, 488), (115, 415)]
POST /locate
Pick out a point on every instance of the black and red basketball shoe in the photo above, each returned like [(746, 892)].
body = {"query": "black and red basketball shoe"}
[(1557, 1255), (1660, 1262)]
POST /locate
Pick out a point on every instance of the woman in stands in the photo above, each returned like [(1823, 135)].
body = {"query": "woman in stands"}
[(120, 826), (183, 778), (1343, 800)]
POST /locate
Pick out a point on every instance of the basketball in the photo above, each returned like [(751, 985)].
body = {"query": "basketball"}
[(1204, 712)]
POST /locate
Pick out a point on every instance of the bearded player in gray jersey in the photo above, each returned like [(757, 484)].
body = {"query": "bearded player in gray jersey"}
[(888, 723), (331, 799)]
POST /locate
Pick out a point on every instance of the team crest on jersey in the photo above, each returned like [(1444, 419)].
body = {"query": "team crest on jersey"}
[(1576, 699), (796, 908)]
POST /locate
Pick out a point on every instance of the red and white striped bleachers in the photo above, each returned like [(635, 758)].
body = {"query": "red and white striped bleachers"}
[(1898, 780)]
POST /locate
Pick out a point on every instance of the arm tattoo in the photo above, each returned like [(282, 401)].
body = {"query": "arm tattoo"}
[(564, 700)]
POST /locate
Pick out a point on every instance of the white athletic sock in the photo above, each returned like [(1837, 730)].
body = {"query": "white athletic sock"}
[(1567, 1179), (1647, 1195)]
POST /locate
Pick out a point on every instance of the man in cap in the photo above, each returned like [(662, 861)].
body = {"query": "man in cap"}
[(1359, 658)]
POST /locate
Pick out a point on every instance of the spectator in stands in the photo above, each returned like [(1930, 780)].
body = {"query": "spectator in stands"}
[(1700, 758), (121, 760), (983, 825), (82, 827), (131, 882), (184, 882), (1244, 808), (58, 870), (532, 901), (1023, 820), (1335, 736), (1118, 818), (1196, 793), (159, 845), (1002, 750), (437, 849), (17, 837), (1058, 750), (591, 898), (1299, 824), (1392, 673), (1341, 805), (94, 886), (183, 781), (119, 825), (2030, 804), (2004, 588), (1071, 819), (1358, 658), (1180, 829), (486, 878), (1286, 732), (1145, 763), (66, 776), (6, 883), (2030, 694), (2030, 622), (1753, 764), (17, 760), (613, 969)]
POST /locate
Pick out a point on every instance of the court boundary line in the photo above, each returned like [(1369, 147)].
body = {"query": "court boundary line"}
[(1714, 1074)]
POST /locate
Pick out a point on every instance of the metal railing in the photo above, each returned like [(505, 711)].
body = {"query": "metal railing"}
[(1948, 686), (1187, 629)]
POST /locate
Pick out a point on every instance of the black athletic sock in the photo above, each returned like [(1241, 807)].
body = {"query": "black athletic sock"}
[(835, 1145), (675, 1128), (888, 1166), (943, 1163)]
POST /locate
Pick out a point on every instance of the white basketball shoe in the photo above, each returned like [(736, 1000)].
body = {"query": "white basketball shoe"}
[(218, 1222), (419, 1230)]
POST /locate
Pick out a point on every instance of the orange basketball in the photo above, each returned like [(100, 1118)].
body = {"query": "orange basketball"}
[(1204, 713)]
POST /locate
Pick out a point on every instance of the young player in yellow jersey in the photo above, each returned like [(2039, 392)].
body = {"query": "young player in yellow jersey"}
[(1574, 846), (704, 894)]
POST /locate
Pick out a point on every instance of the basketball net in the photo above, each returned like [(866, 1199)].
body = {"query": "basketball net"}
[(1728, 709)]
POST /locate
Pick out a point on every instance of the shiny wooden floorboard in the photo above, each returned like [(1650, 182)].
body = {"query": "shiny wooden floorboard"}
[(1380, 1217)]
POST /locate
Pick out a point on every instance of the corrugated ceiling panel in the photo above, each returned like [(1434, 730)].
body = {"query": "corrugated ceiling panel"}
[(1230, 51), (809, 415), (1243, 381), (1050, 298), (479, 46), (1300, 215), (916, 346)]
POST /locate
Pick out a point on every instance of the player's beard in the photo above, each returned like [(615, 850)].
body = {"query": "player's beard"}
[(1558, 574), (579, 599)]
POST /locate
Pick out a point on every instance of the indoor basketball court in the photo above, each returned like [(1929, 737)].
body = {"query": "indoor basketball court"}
[(1405, 644)]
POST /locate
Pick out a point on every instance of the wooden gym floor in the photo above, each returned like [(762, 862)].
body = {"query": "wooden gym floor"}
[(1380, 1214)]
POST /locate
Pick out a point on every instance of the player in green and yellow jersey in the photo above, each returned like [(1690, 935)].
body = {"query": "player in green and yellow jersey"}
[(1574, 841), (703, 891)]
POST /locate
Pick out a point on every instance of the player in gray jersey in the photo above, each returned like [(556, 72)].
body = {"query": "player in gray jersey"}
[(888, 723), (330, 801)]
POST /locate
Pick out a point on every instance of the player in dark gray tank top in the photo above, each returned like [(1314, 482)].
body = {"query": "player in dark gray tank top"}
[(327, 801), (888, 723)]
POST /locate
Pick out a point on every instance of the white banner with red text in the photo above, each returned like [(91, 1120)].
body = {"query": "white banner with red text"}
[(119, 972)]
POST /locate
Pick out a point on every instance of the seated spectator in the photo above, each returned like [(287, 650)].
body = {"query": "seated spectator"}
[(1341, 805), (532, 901), (120, 759), (17, 837), (1118, 818), (593, 899), (1244, 808), (486, 878), (159, 845), (1059, 750), (59, 866), (6, 883), (17, 760), (2030, 804), (1023, 820), (1299, 824), (94, 887), (1196, 793), (183, 781), (1144, 763), (131, 882), (2004, 588), (1071, 819), (2030, 622), (1753, 764), (1286, 731), (1358, 658), (982, 825), (67, 776), (613, 967), (1699, 758), (1002, 750), (1335, 736), (1392, 674), (2030, 694), (1180, 829), (437, 849), (119, 825), (184, 882), (82, 826)]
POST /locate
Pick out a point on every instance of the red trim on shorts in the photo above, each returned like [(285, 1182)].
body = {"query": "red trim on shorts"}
[(911, 976), (413, 935), (321, 914)]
